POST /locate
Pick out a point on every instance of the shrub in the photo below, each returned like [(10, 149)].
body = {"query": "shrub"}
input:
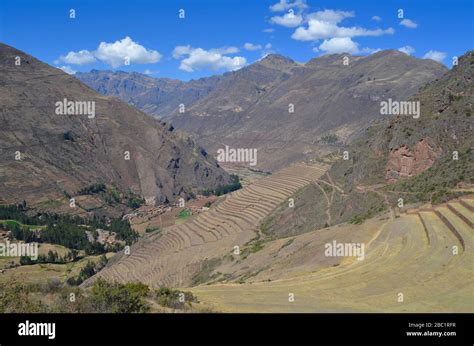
[(330, 138), (92, 189), (67, 136), (153, 229), (135, 202), (223, 189), (119, 298), (15, 298), (173, 298)]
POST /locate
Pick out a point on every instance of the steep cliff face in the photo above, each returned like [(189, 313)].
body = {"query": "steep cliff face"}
[(404, 162), (46, 154)]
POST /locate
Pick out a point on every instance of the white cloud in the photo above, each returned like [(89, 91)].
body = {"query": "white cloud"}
[(116, 53), (330, 16), (408, 23), (435, 55), (320, 30), (290, 20), (77, 58), (214, 59), (324, 25), (284, 5), (338, 45), (67, 69), (225, 50), (149, 72), (408, 50), (252, 47), (269, 30), (377, 18), (179, 51)]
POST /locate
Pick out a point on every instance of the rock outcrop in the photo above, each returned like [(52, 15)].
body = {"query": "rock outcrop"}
[(404, 162)]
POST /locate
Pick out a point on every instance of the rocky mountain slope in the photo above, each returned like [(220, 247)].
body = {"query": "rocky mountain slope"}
[(156, 96), (427, 159), (46, 155), (280, 107), (403, 147)]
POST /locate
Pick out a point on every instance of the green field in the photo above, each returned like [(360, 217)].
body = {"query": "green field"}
[(182, 216), (14, 222)]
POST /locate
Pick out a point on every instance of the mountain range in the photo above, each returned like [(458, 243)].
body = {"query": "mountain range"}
[(284, 109)]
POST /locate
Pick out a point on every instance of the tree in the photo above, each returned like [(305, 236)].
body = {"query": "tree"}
[(15, 298), (74, 254), (119, 298)]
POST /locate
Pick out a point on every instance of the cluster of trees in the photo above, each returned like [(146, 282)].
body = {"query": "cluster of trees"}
[(89, 270), (104, 297), (22, 232), (119, 298), (107, 297), (69, 235), (112, 195), (174, 299), (65, 230), (51, 257), (124, 231), (18, 212), (330, 138), (15, 297), (92, 189), (223, 189)]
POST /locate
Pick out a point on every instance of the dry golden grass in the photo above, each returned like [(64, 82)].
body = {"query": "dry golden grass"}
[(400, 259), (42, 273)]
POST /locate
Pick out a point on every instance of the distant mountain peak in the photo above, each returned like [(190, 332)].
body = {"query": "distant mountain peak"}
[(389, 52), (330, 59), (275, 60)]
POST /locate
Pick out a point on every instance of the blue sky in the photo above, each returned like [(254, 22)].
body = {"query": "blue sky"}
[(219, 36)]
